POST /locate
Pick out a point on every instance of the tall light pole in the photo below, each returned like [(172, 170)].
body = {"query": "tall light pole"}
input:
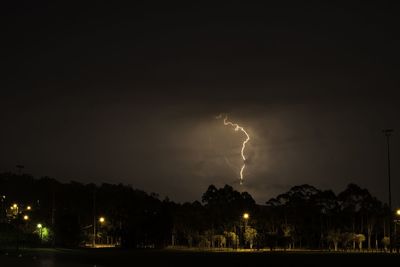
[(3, 208), (102, 220), (396, 221), (94, 218), (388, 133), (40, 226), (246, 217)]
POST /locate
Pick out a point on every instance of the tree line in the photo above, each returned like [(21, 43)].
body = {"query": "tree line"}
[(303, 217)]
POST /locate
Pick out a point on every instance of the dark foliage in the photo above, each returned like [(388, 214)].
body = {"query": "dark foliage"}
[(302, 217)]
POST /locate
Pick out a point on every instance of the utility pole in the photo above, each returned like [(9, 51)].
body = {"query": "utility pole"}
[(388, 133), (53, 211), (94, 218)]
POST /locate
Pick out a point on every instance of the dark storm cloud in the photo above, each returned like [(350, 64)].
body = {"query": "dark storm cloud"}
[(118, 94)]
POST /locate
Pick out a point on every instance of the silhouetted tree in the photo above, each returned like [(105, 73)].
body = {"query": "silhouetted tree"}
[(304, 216)]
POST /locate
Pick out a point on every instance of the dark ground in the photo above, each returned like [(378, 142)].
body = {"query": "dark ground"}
[(110, 257)]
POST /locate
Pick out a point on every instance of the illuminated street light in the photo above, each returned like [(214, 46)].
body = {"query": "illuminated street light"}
[(14, 209), (26, 217), (102, 219), (40, 226), (398, 212), (29, 208), (246, 217)]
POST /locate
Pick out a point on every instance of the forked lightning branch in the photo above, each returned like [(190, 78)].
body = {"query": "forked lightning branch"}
[(237, 127)]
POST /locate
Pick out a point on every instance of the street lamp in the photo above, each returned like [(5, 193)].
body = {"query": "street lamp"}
[(396, 221), (388, 133), (246, 217), (14, 209), (101, 221), (94, 218), (3, 210), (26, 217), (40, 227), (28, 207)]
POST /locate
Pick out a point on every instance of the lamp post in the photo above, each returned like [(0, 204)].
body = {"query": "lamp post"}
[(246, 217), (14, 209), (102, 220), (40, 226), (94, 218), (3, 209), (396, 221), (388, 133)]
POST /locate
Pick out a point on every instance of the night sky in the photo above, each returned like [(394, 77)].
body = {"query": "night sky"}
[(110, 93)]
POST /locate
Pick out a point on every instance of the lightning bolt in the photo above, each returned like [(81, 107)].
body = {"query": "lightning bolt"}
[(237, 127)]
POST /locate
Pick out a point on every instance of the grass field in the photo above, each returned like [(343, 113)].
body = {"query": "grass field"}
[(116, 257)]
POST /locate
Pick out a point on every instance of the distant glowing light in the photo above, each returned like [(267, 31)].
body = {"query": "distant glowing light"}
[(246, 216), (15, 206), (26, 217), (398, 212), (237, 127), (29, 208), (102, 219), (39, 225)]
